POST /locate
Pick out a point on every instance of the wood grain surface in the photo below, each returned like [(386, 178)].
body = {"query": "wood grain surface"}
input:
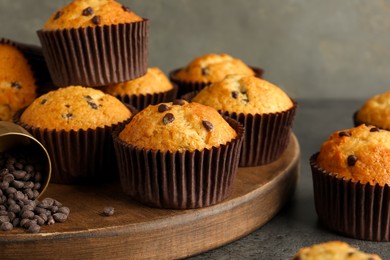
[(136, 231)]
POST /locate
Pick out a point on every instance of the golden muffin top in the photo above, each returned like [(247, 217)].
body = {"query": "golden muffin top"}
[(154, 81), (178, 126), (376, 111), (75, 108), (213, 68), (90, 13), (333, 250), (244, 94), (358, 154)]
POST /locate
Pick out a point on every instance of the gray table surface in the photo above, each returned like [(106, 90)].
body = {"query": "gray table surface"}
[(296, 225)]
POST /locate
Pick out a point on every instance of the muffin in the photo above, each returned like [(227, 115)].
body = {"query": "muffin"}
[(17, 82), (351, 182), (207, 69), (375, 111), (34, 56), (264, 109), (178, 155), (75, 125), (95, 43), (152, 88), (333, 250)]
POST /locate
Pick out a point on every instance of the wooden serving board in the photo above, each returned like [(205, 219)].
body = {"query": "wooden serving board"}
[(136, 231)]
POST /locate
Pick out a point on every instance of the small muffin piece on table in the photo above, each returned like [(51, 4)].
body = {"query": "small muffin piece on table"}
[(75, 125), (351, 182), (17, 82), (95, 43), (178, 155), (333, 250), (152, 88), (375, 111), (264, 109), (207, 69)]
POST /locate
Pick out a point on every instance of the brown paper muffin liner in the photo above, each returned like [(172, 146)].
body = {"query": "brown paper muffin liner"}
[(96, 56), (179, 180), (266, 136), (37, 62), (78, 157), (356, 210), (142, 101), (188, 86)]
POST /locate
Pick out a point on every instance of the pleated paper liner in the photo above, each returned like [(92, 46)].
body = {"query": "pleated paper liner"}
[(179, 180), (142, 101), (356, 210), (189, 86), (96, 56), (266, 135), (78, 157), (37, 62)]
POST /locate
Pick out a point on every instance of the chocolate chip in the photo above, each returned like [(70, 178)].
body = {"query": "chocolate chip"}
[(34, 228), (168, 118), (92, 105), (47, 202), (245, 100), (108, 211), (235, 94), (16, 84), (87, 11), (60, 217), (179, 102), (205, 71), (69, 116), (342, 133), (374, 129), (6, 226), (88, 98), (43, 101), (352, 159), (58, 15), (162, 108), (96, 20), (126, 9), (67, 105), (209, 126), (64, 210)]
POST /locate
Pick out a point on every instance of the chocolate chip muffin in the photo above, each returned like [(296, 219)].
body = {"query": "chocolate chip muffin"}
[(102, 42), (152, 88), (75, 125), (351, 182), (375, 111), (17, 82), (333, 250), (207, 69), (191, 147), (265, 110)]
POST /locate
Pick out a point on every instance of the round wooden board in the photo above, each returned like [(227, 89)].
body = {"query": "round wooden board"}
[(137, 232)]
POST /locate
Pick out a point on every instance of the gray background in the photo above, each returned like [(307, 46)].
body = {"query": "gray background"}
[(310, 48)]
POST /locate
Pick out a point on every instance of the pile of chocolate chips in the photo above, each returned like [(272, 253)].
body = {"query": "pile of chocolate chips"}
[(20, 182)]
